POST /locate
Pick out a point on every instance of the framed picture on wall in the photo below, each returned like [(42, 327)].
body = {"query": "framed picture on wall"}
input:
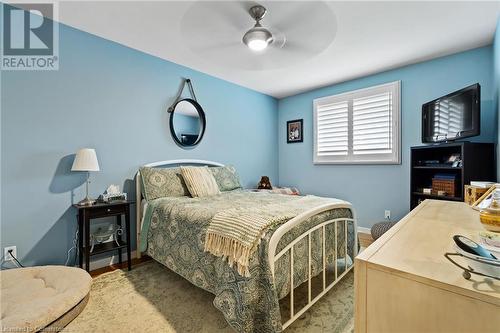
[(294, 131)]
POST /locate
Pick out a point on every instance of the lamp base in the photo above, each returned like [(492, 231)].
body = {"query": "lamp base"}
[(86, 202)]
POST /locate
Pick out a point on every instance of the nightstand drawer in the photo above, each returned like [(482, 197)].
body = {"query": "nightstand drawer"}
[(107, 211)]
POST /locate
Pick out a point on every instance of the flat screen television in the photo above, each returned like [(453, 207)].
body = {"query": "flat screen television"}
[(451, 117)]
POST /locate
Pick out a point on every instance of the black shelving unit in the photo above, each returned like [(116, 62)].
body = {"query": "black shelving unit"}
[(478, 163)]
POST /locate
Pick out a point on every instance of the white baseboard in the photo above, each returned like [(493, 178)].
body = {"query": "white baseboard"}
[(364, 230), (104, 262)]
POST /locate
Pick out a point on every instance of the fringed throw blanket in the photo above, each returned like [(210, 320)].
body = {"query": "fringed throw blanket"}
[(236, 233)]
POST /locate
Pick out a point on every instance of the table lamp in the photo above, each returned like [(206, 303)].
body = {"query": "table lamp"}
[(86, 160)]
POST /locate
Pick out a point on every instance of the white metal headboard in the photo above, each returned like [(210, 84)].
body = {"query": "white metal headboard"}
[(138, 189)]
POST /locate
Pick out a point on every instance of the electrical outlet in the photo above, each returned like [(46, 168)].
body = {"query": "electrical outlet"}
[(6, 254), (387, 214)]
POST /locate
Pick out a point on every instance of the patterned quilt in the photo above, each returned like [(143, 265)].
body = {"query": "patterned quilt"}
[(174, 232)]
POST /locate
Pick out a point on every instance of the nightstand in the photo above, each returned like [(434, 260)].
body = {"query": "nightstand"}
[(86, 214)]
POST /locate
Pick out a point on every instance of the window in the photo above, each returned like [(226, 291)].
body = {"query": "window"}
[(358, 127)]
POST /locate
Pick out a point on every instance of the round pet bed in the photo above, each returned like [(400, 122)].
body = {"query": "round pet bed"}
[(42, 297)]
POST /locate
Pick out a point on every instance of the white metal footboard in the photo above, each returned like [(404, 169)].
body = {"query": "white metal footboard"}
[(283, 229)]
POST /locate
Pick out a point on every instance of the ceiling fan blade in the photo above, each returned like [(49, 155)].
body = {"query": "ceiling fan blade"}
[(279, 38), (297, 48), (289, 21), (218, 46), (231, 13)]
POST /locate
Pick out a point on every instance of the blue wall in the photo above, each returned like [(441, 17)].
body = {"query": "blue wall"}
[(111, 98), (374, 188)]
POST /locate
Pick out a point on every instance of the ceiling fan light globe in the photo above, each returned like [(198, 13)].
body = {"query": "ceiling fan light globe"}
[(257, 45), (257, 39)]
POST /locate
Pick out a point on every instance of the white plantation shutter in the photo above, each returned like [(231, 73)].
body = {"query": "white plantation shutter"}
[(361, 126), (333, 129), (372, 125)]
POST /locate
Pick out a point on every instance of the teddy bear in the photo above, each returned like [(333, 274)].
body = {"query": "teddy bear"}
[(265, 183)]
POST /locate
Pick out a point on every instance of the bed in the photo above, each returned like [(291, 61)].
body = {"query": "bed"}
[(314, 248)]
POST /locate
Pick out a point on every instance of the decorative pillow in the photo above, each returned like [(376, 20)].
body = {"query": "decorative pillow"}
[(159, 183), (226, 177), (200, 181)]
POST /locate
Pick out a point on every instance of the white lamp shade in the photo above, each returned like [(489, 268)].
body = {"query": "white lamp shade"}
[(85, 160)]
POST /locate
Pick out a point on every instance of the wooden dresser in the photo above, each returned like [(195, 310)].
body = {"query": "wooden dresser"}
[(403, 282)]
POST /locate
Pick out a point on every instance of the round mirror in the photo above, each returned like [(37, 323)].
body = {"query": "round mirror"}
[(187, 122)]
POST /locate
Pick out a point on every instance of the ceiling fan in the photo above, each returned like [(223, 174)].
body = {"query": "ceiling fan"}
[(259, 38), (248, 35)]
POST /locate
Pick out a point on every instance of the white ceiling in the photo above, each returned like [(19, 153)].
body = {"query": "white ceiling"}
[(345, 40)]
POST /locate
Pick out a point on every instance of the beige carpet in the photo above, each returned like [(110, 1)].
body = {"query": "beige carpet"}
[(151, 298)]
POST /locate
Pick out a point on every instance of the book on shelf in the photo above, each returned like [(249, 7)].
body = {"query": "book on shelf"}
[(444, 176)]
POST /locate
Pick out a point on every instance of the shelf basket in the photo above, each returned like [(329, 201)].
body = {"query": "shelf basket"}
[(446, 185)]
